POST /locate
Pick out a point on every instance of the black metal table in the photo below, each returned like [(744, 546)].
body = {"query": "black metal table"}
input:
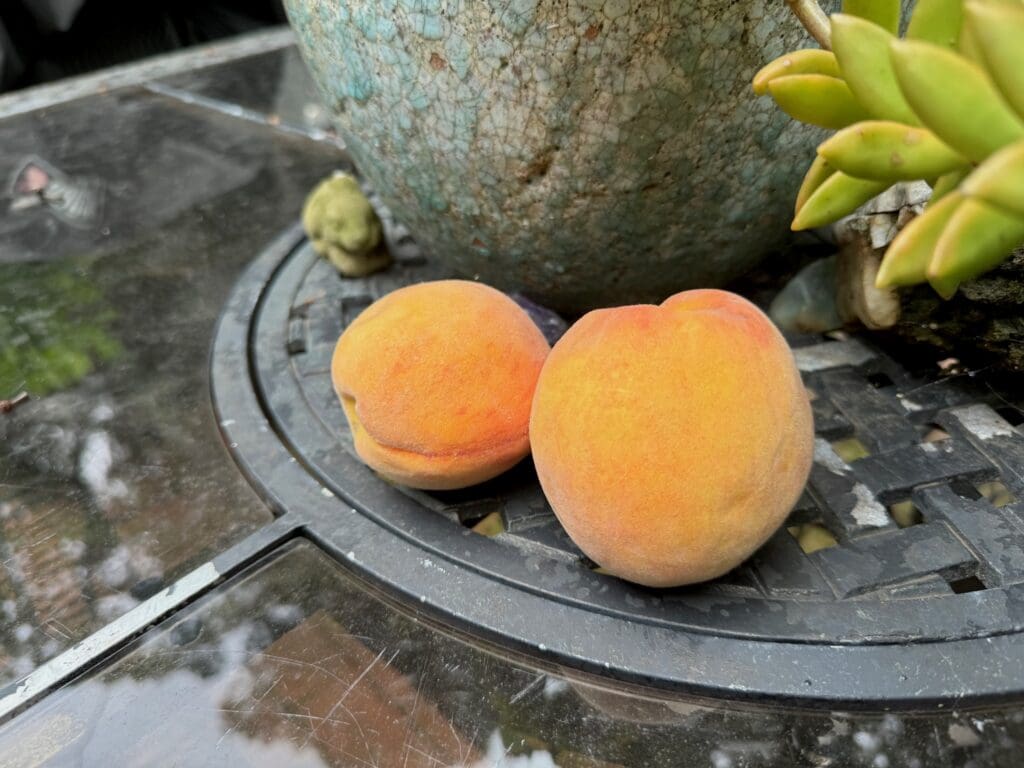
[(197, 581)]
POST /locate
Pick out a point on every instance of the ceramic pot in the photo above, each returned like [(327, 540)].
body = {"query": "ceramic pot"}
[(585, 152)]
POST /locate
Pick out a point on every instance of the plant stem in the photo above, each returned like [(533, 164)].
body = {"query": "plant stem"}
[(814, 20), (6, 406)]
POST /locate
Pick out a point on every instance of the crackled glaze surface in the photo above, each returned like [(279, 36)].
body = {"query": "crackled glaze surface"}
[(585, 151)]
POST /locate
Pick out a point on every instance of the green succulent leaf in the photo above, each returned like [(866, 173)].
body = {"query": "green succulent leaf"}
[(954, 98), (816, 175), (817, 99), (968, 47), (837, 196), (998, 28), (946, 288), (908, 255), (937, 21), (999, 181), (977, 238), (884, 13), (888, 151), (809, 61), (949, 182), (862, 50)]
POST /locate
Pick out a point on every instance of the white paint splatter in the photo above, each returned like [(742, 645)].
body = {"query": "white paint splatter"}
[(825, 455), (910, 405), (831, 354), (983, 422), (868, 511)]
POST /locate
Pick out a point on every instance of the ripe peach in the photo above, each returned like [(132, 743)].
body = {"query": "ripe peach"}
[(672, 440), (436, 381)]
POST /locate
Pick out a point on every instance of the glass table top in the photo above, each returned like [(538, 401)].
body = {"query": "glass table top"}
[(295, 663), (113, 478), (126, 217)]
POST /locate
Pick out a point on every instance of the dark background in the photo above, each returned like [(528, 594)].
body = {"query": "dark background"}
[(44, 40)]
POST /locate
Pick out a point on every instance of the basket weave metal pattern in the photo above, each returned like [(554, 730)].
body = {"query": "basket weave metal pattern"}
[(848, 614)]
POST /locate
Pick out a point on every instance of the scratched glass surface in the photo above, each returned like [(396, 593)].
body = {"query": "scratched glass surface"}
[(296, 664), (127, 218), (256, 84)]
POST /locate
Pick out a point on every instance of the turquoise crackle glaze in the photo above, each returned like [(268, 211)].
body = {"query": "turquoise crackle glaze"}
[(587, 152)]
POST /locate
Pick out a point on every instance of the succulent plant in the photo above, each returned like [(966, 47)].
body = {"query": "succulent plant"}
[(944, 104)]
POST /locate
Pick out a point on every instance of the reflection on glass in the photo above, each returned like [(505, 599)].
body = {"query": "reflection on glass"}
[(295, 664), (113, 478), (275, 85), (56, 328)]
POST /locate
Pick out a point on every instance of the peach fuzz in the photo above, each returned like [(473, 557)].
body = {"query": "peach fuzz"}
[(672, 440), (436, 380)]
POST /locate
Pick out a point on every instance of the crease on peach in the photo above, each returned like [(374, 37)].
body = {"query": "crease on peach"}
[(479, 448)]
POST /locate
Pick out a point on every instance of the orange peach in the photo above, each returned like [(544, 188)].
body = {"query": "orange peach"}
[(436, 381), (672, 440)]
